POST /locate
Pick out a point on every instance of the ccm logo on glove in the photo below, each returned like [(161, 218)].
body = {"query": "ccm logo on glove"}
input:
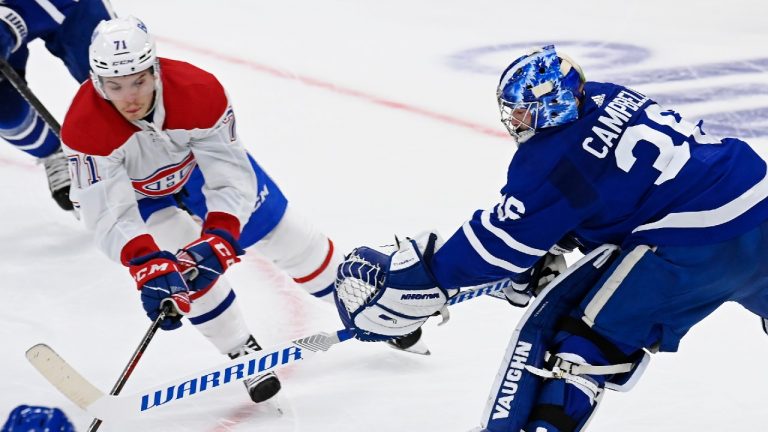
[(224, 251), (212, 254), (154, 269)]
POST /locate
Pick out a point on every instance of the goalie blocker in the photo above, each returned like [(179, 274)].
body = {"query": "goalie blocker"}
[(516, 396)]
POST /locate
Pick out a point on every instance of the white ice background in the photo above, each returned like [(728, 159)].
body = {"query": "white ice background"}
[(374, 120)]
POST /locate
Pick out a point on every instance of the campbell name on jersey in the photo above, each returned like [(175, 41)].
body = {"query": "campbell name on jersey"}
[(628, 172)]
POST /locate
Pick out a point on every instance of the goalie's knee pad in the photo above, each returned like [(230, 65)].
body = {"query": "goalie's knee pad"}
[(619, 369), (307, 255), (575, 378)]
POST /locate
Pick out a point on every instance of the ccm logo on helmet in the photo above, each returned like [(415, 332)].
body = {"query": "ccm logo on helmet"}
[(419, 296), (122, 62)]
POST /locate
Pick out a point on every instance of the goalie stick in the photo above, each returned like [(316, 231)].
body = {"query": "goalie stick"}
[(114, 407)]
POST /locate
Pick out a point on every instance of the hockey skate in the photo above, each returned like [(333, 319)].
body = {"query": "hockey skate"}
[(260, 387), (411, 343), (58, 178)]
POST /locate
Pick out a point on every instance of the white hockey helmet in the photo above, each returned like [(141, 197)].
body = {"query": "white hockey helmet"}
[(119, 47)]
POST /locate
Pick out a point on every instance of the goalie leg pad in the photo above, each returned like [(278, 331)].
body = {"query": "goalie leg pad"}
[(573, 332), (516, 388), (571, 394)]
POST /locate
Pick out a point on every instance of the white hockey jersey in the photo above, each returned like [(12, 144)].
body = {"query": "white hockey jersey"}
[(114, 163)]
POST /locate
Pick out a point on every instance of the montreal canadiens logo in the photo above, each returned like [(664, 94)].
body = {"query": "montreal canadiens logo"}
[(167, 180)]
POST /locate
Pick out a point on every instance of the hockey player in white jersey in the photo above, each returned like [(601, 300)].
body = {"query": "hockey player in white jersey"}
[(597, 164), (147, 135)]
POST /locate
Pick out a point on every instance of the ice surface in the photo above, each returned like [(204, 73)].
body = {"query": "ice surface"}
[(379, 118)]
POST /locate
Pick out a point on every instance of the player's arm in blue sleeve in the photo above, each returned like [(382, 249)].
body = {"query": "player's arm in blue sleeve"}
[(13, 31), (508, 239), (7, 41)]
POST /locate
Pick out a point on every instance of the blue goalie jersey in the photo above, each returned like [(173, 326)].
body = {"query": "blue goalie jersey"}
[(627, 172)]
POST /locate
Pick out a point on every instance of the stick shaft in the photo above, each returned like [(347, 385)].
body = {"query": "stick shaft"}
[(128, 370)]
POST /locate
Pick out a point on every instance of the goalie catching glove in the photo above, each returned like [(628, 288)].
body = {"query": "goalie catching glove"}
[(388, 295)]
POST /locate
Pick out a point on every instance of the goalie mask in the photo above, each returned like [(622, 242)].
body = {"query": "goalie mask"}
[(121, 47), (539, 90)]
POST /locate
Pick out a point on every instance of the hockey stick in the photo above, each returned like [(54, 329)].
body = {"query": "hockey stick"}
[(21, 86), (134, 359), (112, 407)]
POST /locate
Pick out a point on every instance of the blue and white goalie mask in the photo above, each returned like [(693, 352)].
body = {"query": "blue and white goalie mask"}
[(539, 90)]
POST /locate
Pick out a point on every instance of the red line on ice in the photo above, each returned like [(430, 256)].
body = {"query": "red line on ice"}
[(313, 82)]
